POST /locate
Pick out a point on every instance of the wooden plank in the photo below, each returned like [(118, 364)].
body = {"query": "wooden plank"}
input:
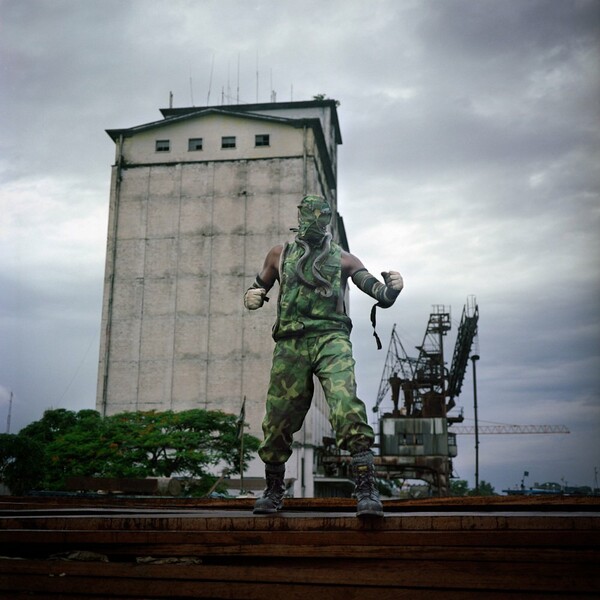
[(124, 484), (397, 594), (463, 554), (425, 575), (237, 521), (481, 503), (371, 575), (525, 572), (160, 589), (164, 589), (261, 540), (271, 552)]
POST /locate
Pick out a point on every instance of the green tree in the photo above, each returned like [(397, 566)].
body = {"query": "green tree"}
[(21, 462), (78, 450), (459, 487), (136, 444), (53, 423), (169, 443), (485, 489)]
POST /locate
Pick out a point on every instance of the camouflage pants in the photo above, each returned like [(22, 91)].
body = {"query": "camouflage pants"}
[(295, 360)]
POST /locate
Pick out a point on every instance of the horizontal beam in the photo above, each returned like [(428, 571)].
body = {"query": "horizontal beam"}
[(499, 429)]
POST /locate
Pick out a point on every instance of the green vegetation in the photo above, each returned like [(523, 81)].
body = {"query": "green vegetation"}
[(460, 487), (66, 444), (21, 462)]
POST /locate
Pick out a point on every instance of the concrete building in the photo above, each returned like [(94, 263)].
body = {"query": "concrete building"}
[(197, 199)]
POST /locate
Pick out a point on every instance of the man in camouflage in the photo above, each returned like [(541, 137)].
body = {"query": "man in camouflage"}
[(312, 335)]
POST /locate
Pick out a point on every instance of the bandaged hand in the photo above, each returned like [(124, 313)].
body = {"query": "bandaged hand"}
[(394, 280), (254, 298)]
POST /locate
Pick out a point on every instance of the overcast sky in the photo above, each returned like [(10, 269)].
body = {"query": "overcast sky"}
[(470, 163)]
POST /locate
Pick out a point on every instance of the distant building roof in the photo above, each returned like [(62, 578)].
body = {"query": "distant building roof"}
[(172, 115), (264, 106), (249, 111)]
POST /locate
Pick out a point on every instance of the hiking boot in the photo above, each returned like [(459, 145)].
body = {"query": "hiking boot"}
[(367, 496), (272, 499)]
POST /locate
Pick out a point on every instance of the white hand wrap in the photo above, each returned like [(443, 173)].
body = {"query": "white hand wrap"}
[(394, 280), (254, 298)]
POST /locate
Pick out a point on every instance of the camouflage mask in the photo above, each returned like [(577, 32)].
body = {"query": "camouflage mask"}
[(314, 216)]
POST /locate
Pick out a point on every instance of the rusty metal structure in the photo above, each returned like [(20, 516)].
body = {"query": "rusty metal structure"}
[(414, 438), (417, 438)]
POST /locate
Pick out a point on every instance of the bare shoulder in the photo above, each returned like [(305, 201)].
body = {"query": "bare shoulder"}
[(275, 251), (273, 257), (350, 264)]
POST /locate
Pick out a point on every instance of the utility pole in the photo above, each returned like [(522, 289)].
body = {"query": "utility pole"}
[(9, 413), (242, 491), (475, 358), (241, 423)]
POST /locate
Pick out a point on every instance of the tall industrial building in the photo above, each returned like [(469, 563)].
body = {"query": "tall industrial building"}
[(197, 199)]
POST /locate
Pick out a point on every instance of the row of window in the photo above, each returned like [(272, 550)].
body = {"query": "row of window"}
[(227, 141)]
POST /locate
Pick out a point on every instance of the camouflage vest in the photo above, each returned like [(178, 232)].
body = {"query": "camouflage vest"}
[(300, 309)]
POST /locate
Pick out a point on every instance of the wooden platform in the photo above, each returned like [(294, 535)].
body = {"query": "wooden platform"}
[(166, 548)]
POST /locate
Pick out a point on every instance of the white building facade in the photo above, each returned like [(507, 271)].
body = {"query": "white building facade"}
[(197, 199)]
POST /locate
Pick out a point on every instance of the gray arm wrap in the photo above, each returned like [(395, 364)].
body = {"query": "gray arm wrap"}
[(259, 283), (385, 296)]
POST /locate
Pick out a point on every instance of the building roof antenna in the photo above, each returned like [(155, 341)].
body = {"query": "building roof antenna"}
[(257, 75), (212, 66), (273, 93), (237, 98), (10, 403), (228, 83)]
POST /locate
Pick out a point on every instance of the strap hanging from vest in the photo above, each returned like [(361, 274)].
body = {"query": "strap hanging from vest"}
[(374, 322)]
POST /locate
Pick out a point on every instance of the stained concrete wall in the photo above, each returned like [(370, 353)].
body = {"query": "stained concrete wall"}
[(190, 239)]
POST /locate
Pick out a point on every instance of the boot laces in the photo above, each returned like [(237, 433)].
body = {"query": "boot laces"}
[(365, 482)]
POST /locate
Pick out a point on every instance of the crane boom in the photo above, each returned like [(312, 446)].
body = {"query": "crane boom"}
[(467, 331), (470, 429)]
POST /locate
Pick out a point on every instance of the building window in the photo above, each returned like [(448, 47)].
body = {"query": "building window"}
[(163, 145), (228, 141), (262, 139), (194, 144)]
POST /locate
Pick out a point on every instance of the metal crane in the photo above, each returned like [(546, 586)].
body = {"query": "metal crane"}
[(414, 439), (425, 377), (417, 439), (467, 330), (497, 429)]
